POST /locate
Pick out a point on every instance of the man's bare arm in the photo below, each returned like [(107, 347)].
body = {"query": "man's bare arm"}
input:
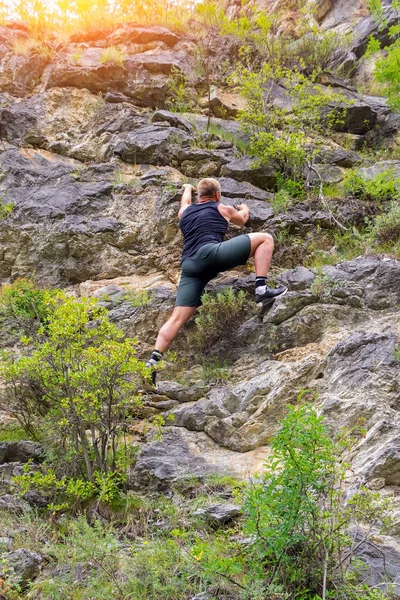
[(236, 216), (186, 199)]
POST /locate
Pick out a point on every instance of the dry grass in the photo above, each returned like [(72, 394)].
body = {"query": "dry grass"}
[(113, 56), (23, 46)]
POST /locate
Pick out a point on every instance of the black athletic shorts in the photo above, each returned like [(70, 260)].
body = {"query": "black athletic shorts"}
[(210, 260)]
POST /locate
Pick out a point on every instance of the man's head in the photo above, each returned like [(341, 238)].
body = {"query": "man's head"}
[(209, 188)]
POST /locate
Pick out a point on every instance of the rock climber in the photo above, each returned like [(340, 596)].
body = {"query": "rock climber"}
[(205, 255)]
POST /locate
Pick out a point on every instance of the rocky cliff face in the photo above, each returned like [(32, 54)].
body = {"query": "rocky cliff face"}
[(93, 165)]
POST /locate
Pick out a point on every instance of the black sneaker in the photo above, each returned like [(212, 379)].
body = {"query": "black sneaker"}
[(270, 295), (153, 375)]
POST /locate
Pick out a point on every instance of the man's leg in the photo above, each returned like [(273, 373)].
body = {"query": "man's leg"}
[(262, 247), (238, 250), (170, 329)]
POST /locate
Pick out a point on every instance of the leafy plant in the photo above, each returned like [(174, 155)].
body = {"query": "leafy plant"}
[(386, 69), (381, 188), (82, 377), (279, 133), (213, 371), (387, 225), (24, 308), (297, 518), (180, 97), (218, 316), (138, 298), (5, 210)]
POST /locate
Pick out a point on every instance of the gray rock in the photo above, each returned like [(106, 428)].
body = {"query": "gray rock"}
[(371, 172), (218, 514), (175, 119), (325, 173), (241, 169), (155, 144), (138, 34), (231, 188), (20, 567), (12, 504), (288, 306), (299, 278), (339, 156), (161, 463), (101, 78), (5, 543), (181, 393), (20, 451), (382, 559)]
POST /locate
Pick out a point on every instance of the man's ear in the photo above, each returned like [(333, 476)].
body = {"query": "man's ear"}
[(218, 196)]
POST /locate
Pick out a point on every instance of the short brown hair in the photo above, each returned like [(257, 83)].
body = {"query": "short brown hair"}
[(208, 187)]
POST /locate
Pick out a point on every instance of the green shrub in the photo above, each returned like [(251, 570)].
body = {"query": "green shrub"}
[(82, 377), (214, 371), (5, 210), (387, 225), (24, 308), (279, 135), (138, 298), (180, 98), (218, 317), (295, 514), (387, 67), (384, 186)]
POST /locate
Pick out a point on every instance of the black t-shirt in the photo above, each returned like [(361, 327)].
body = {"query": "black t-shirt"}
[(201, 224)]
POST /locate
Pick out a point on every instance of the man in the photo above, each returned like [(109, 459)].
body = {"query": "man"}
[(205, 255)]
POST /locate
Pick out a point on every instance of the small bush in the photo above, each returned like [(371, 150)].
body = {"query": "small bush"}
[(180, 98), (381, 188), (138, 298), (387, 225), (300, 528), (218, 317), (76, 57), (113, 56), (5, 210), (24, 308), (23, 46), (213, 371), (79, 386)]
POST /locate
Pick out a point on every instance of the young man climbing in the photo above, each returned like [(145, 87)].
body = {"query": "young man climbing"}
[(205, 255)]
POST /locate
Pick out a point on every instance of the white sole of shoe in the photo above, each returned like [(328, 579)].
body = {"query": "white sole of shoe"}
[(271, 300)]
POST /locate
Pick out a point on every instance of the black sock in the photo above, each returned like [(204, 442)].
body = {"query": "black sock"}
[(156, 355), (260, 281)]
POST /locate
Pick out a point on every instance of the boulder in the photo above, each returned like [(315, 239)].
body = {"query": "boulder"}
[(101, 78), (22, 451), (339, 156), (154, 144), (218, 514), (381, 558), (244, 169), (20, 567), (181, 454), (13, 505), (392, 166), (21, 74), (367, 27), (175, 119), (138, 34), (223, 104), (159, 62)]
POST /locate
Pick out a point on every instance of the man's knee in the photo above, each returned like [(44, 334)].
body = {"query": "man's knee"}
[(268, 239)]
